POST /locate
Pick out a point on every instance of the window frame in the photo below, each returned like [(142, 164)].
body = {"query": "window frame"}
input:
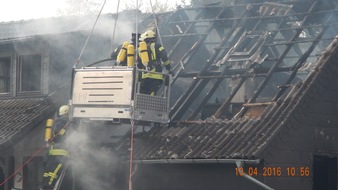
[(19, 78), (10, 74)]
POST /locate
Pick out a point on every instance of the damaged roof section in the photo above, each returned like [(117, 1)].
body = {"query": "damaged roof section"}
[(247, 138), (267, 67), (243, 57)]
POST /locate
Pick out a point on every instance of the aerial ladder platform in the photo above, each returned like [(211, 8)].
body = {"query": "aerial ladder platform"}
[(113, 93)]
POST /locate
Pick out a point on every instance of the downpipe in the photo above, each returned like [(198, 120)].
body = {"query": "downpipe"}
[(239, 165)]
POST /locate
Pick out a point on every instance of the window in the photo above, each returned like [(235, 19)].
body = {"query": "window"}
[(5, 70), (29, 71)]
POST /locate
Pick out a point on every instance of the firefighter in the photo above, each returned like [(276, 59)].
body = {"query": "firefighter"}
[(57, 155), (153, 61), (120, 53)]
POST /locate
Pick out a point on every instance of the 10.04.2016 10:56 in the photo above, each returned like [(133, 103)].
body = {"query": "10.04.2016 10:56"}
[(302, 171)]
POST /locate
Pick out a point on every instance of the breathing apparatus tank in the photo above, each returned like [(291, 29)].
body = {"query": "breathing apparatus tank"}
[(144, 54), (123, 53), (48, 131), (130, 55)]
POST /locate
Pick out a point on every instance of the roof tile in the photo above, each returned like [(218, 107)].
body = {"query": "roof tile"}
[(18, 116)]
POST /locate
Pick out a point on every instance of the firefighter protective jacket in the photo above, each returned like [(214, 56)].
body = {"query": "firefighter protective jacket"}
[(156, 54)]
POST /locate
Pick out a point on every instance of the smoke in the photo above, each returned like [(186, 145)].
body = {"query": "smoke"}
[(60, 41), (92, 164)]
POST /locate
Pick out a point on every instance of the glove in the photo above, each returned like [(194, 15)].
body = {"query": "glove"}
[(171, 72)]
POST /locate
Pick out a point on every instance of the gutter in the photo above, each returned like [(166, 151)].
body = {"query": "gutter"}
[(193, 161)]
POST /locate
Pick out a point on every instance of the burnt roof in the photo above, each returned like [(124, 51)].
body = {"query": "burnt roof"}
[(243, 53), (265, 57), (18, 116), (243, 137)]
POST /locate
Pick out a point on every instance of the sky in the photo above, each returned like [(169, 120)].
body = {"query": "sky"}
[(13, 10)]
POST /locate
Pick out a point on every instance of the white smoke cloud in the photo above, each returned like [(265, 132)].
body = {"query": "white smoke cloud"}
[(93, 165)]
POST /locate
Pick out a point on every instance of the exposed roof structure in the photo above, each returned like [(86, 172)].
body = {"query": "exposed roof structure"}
[(260, 63), (18, 116), (242, 53), (241, 137), (254, 61)]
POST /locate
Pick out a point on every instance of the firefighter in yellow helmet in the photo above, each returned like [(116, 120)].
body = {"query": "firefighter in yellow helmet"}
[(57, 155), (120, 53), (157, 57)]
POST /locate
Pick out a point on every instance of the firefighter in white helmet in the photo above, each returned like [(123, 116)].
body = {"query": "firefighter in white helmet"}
[(57, 155), (157, 57)]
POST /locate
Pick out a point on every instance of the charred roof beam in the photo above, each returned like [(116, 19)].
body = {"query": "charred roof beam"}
[(255, 50), (186, 32), (269, 74), (228, 100), (302, 41), (182, 104), (247, 26), (188, 55), (231, 73), (301, 60), (290, 17)]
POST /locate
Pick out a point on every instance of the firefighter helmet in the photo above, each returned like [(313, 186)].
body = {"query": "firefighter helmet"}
[(63, 109), (141, 38), (148, 35)]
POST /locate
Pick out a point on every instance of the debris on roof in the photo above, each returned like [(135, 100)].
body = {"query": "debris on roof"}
[(260, 61)]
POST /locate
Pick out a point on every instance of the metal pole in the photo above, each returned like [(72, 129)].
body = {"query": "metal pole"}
[(239, 165)]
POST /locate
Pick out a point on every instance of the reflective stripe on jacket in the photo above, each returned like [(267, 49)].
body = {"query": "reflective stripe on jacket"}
[(58, 152), (156, 54)]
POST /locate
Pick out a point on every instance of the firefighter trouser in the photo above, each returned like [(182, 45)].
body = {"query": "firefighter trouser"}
[(150, 86), (54, 167)]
